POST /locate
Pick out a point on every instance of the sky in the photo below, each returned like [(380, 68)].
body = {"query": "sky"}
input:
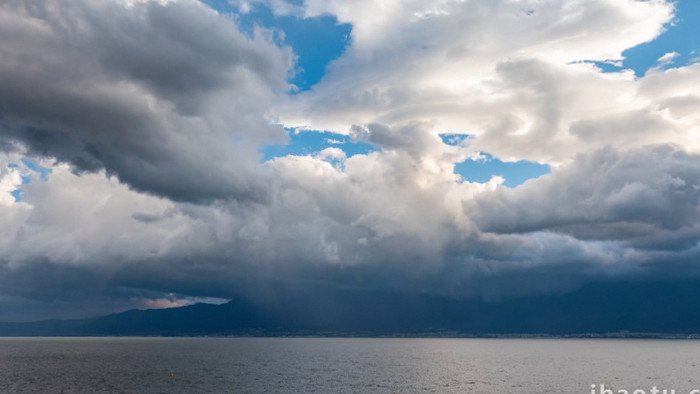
[(157, 153)]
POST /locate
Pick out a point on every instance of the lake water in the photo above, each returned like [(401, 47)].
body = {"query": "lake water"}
[(345, 365)]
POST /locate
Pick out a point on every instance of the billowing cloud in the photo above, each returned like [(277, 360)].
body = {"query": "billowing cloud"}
[(171, 98), (514, 74), (607, 195), (389, 220), (151, 116)]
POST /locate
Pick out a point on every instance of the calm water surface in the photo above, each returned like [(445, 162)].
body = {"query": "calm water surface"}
[(344, 365)]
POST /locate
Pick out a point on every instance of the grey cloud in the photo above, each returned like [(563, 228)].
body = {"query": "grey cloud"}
[(146, 217), (412, 138), (170, 98), (644, 197), (370, 226), (617, 129)]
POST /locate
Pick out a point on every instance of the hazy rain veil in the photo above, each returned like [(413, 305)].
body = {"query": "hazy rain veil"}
[(151, 116)]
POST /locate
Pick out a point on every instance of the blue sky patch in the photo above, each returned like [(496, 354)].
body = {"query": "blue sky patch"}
[(311, 142), (681, 36), (482, 170), (17, 194), (454, 139), (316, 41), (514, 173), (35, 167)]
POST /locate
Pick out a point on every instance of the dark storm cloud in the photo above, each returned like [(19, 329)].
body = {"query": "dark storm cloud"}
[(155, 94), (41, 289), (156, 107), (394, 220)]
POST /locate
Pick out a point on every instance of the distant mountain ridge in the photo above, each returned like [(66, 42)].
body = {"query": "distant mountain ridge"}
[(642, 307)]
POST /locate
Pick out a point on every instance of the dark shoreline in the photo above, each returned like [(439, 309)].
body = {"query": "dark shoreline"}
[(632, 336)]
